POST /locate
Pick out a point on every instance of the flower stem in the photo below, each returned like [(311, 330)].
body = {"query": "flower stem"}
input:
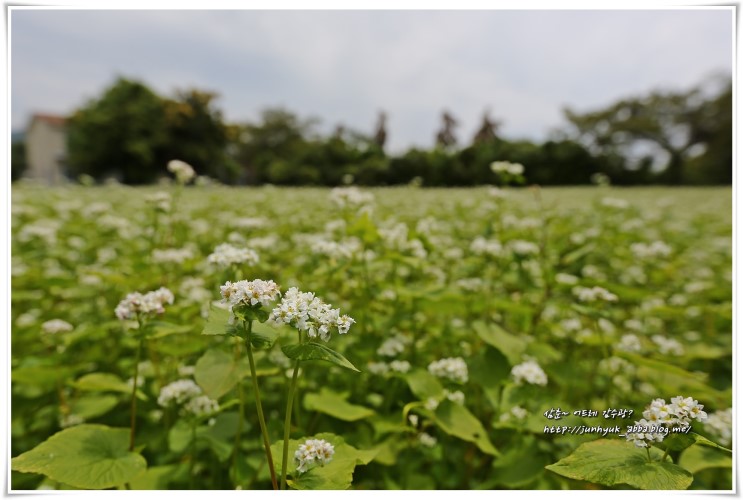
[(287, 424), (241, 417), (648, 450), (259, 408), (133, 421)]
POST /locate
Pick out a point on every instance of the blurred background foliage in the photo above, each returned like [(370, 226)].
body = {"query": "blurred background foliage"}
[(665, 137)]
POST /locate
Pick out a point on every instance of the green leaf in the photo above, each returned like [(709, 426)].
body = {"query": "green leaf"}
[(616, 462), (675, 380), (699, 458), (86, 456), (105, 382), (424, 385), (217, 372), (263, 339), (701, 440), (456, 420), (519, 466), (335, 405), (155, 478), (336, 475), (217, 322), (93, 406), (160, 329), (315, 351), (510, 345), (578, 253)]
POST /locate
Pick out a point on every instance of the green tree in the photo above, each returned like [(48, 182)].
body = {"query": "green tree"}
[(268, 151), (17, 160), (123, 133), (197, 134), (670, 124)]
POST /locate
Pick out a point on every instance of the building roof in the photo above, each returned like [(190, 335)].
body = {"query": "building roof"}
[(55, 120)]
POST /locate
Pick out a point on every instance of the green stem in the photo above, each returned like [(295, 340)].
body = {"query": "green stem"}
[(287, 424), (240, 418), (133, 420), (192, 462), (648, 450), (259, 407)]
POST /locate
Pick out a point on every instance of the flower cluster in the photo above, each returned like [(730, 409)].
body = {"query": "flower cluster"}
[(313, 452), (516, 412), (500, 167), (393, 346), (523, 248), (650, 250), (659, 415), (160, 200), (249, 293), (629, 343), (594, 294), (174, 255), (482, 246), (135, 303), (187, 394), (454, 369), (201, 406), (351, 197), (183, 171), (720, 425), (668, 346), (56, 326), (178, 392), (226, 255), (530, 372), (306, 312)]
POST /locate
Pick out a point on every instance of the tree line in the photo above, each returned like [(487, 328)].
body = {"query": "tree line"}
[(130, 133)]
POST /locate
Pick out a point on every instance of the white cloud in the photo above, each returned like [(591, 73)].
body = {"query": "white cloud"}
[(345, 66)]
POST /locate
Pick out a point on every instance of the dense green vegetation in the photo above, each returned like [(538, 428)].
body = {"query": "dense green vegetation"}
[(476, 311), (665, 137)]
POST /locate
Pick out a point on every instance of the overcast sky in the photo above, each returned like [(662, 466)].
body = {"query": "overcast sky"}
[(343, 67)]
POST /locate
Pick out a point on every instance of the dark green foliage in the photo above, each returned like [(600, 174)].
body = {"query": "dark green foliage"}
[(17, 160)]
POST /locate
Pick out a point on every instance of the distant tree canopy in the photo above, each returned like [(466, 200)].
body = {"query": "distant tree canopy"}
[(687, 128), (131, 133)]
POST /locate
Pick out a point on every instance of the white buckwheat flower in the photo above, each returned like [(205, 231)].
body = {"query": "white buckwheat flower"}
[(147, 304), (530, 372), (688, 408), (306, 312), (499, 167), (593, 294), (427, 440), (249, 293), (201, 406), (351, 197), (454, 369), (668, 346), (56, 326), (629, 343), (651, 433), (523, 248), (311, 453), (226, 255), (720, 425), (183, 171), (178, 392)]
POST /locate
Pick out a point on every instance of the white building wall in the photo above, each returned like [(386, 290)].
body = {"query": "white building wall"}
[(46, 147)]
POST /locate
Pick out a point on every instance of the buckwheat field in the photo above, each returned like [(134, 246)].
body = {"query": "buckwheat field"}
[(216, 338)]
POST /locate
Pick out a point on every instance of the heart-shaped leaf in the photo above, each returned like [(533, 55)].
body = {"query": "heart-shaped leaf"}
[(88, 456), (613, 462)]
